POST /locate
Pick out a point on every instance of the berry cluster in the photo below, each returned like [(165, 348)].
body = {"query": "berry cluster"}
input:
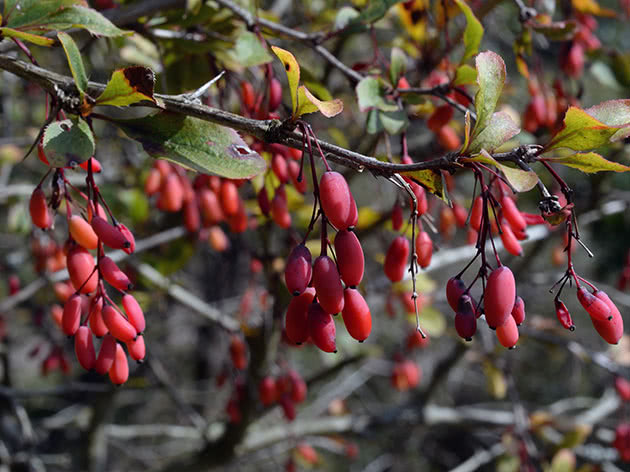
[(88, 310)]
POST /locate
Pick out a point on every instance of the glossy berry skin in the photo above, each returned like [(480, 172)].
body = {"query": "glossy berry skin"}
[(295, 323), (118, 326), (82, 232), (84, 348), (499, 296), (415, 340), (509, 240), (350, 259), (335, 197), (518, 311), (106, 355), (396, 259), (610, 330), (81, 269), (327, 285), (137, 349), (563, 315), (38, 208), (109, 235), (512, 214), (356, 315), (455, 288), (119, 371), (465, 319), (71, 318), (298, 271), (424, 249), (97, 325), (134, 312), (595, 307), (113, 275), (476, 213), (321, 328), (353, 217), (507, 333)]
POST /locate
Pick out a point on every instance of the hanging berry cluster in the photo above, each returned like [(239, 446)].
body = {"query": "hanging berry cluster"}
[(88, 310)]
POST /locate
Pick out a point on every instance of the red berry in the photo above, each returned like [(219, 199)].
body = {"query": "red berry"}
[(113, 275), (280, 209), (327, 285), (350, 259), (134, 312), (267, 391), (248, 95), (229, 197), (137, 348), (71, 318), (415, 340), (335, 198), (275, 94), (280, 168), (81, 269), (622, 386), (210, 207), (610, 330), (298, 271), (84, 348), (106, 355), (296, 326), (171, 194), (397, 217), (563, 315), (596, 308), (38, 209), (82, 232), (192, 217), (509, 239), (518, 311), (108, 234), (321, 328), (455, 288), (507, 333), (424, 249), (396, 259), (118, 325), (512, 214), (440, 117), (356, 315), (119, 371), (465, 319), (499, 296)]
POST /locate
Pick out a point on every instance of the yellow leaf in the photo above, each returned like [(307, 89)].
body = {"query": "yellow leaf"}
[(292, 68)]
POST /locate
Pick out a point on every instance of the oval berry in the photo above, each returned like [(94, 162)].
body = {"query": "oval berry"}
[(171, 194), (465, 319), (280, 209), (424, 249), (82, 232), (118, 326), (295, 324), (595, 307), (507, 333), (134, 312), (298, 271), (563, 315), (610, 330), (275, 94), (113, 275), (137, 349), (476, 213), (518, 311), (321, 328), (512, 214), (499, 296), (81, 265), (97, 325), (350, 258), (106, 355), (509, 240), (267, 391), (109, 235), (84, 348), (356, 315), (455, 288), (228, 196), (119, 371), (38, 208), (335, 198), (71, 318), (327, 285), (396, 259)]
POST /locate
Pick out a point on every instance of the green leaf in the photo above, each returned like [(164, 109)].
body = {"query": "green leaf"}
[(373, 123), (127, 86), (465, 75), (397, 65), (613, 113), (75, 61), (344, 17), (308, 103), (499, 130), (371, 94), (394, 122), (248, 51), (490, 77), (68, 142), (555, 31), (85, 18), (195, 144), (520, 180), (581, 132), (430, 179), (473, 32), (22, 13), (31, 38), (292, 68), (589, 162), (375, 10)]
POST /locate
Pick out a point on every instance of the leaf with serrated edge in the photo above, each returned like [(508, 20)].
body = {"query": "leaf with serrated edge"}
[(195, 144), (129, 85), (371, 94), (581, 132), (31, 38), (613, 113), (68, 141), (430, 179), (75, 61), (490, 78), (499, 130), (589, 162), (292, 68), (473, 33), (307, 101)]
